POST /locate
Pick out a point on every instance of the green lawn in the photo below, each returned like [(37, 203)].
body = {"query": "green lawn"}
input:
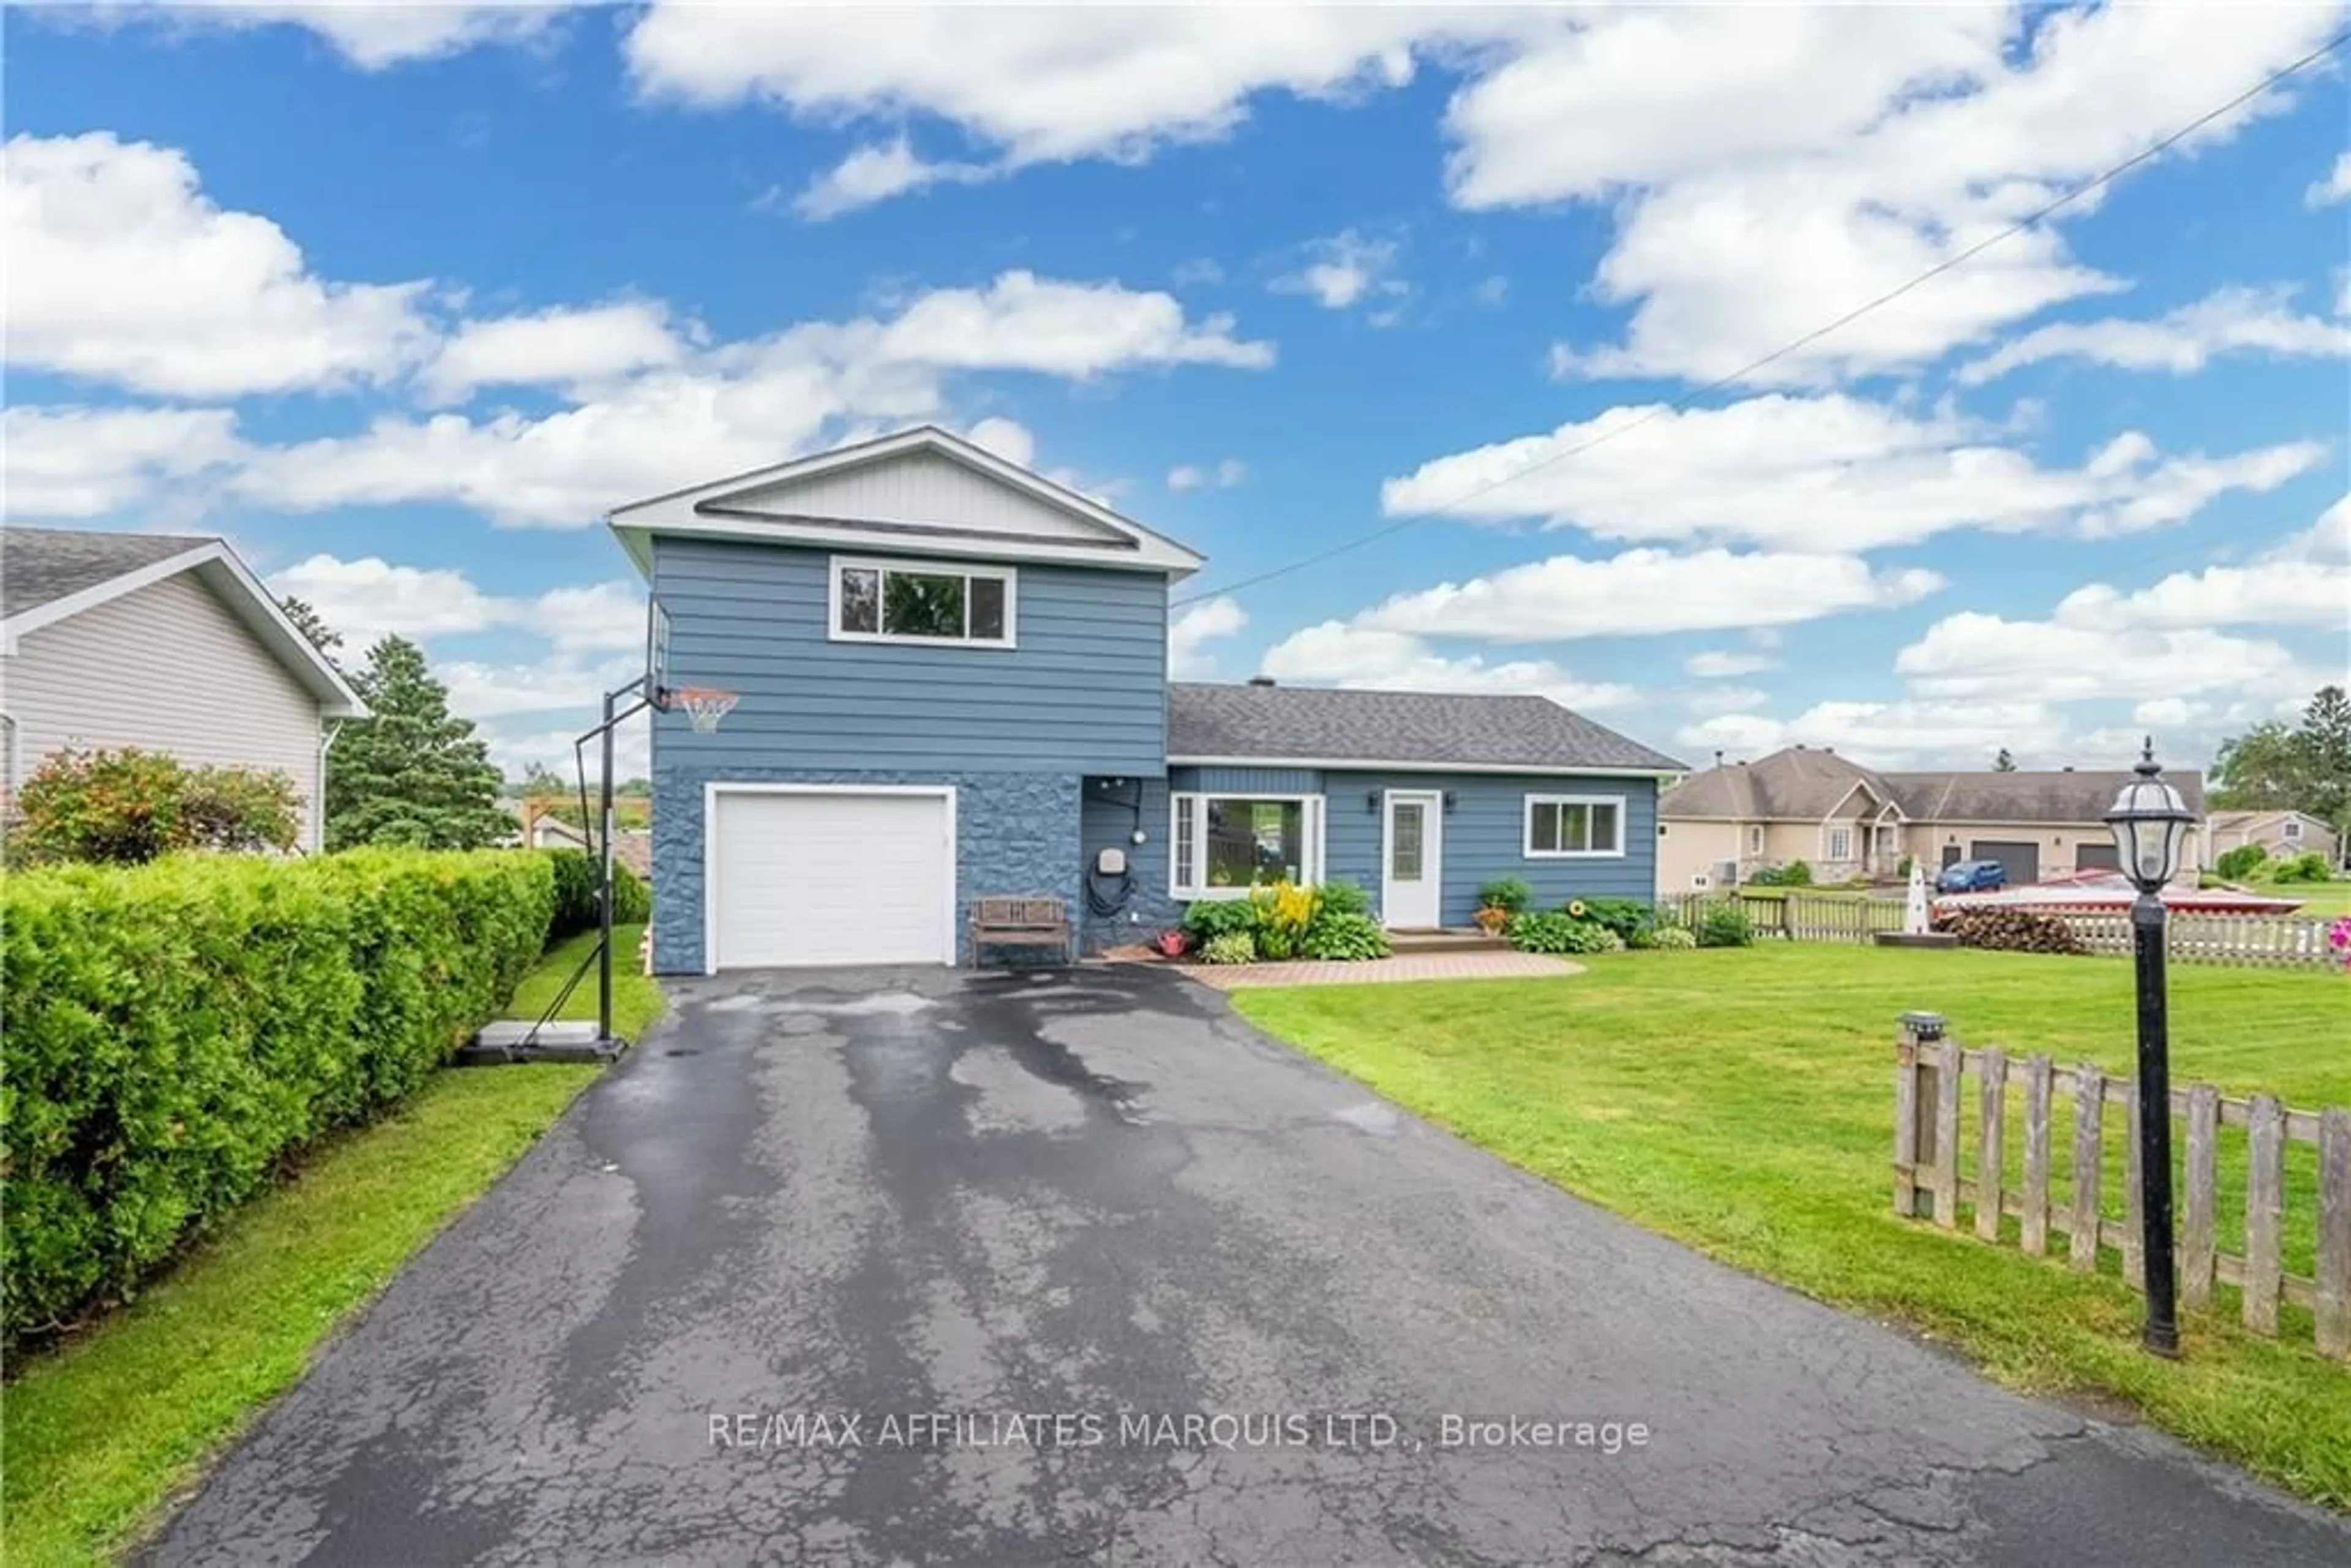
[(2317, 897), (101, 1430), (636, 1001), (1742, 1102)]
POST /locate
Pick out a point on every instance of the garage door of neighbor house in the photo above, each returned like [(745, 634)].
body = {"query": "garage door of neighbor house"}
[(2090, 856), (2023, 862), (829, 876)]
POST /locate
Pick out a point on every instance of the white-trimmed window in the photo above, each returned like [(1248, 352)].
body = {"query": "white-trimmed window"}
[(926, 603), (1220, 846), (1755, 840), (2292, 830), (1561, 827), (1840, 844)]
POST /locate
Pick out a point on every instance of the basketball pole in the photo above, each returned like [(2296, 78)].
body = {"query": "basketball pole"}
[(647, 695)]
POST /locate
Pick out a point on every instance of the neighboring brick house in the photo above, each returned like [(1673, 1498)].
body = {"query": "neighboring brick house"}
[(1845, 820), (2284, 834), (953, 684), (164, 643)]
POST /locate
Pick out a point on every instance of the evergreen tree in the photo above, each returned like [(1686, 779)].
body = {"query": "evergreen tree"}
[(412, 773), (2003, 763), (2325, 740), (311, 624)]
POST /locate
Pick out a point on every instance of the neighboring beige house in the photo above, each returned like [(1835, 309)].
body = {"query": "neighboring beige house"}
[(632, 847), (1844, 820), (164, 643), (2284, 834)]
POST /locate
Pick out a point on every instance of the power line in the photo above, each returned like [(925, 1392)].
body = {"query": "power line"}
[(1676, 405)]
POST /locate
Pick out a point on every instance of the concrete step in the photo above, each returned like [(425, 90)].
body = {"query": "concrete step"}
[(1455, 939)]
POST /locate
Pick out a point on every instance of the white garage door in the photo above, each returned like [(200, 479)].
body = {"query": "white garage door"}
[(826, 878)]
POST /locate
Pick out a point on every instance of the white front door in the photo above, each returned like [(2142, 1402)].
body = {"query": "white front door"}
[(1412, 852)]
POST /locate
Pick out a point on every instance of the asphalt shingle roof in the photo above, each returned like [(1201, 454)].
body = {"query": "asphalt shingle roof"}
[(1438, 728), (39, 566), (1802, 784)]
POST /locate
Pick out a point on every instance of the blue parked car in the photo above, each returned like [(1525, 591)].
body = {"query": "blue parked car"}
[(1972, 876)]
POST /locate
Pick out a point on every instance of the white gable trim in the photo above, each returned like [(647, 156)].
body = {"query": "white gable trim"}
[(704, 511), (227, 576)]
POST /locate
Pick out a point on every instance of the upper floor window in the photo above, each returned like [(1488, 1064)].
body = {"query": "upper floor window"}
[(1565, 825), (922, 601), (2294, 830)]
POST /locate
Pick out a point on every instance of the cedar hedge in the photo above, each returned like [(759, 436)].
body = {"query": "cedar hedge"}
[(175, 1030), (575, 894)]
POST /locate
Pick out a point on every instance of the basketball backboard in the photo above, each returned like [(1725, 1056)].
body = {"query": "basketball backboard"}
[(656, 652)]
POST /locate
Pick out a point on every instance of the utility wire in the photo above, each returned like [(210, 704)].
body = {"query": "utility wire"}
[(1676, 405)]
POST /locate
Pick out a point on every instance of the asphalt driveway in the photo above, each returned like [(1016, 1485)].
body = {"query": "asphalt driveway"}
[(916, 1267)]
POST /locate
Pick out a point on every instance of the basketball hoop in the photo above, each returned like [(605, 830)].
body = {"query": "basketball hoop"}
[(704, 705)]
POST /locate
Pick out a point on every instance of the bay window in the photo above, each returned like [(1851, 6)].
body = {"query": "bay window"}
[(1564, 826), (1220, 846)]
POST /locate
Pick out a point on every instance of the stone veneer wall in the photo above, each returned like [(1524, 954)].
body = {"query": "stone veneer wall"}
[(1016, 835)]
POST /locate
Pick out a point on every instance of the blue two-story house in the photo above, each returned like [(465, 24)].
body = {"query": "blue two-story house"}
[(952, 683)]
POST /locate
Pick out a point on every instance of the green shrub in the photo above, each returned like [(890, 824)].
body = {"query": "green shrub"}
[(1627, 917), (1341, 935), (127, 807), (2237, 864), (1345, 897), (1229, 948), (632, 901), (1723, 925), (1507, 893), (2308, 867), (176, 1030), (1672, 938), (1206, 919), (1795, 874), (1556, 931)]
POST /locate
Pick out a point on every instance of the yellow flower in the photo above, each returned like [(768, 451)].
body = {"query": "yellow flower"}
[(1575, 908)]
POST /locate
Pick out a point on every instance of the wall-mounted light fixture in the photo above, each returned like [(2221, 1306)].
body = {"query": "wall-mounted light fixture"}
[(1372, 803)]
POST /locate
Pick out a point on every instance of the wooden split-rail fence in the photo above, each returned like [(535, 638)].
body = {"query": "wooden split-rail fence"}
[(1931, 1068)]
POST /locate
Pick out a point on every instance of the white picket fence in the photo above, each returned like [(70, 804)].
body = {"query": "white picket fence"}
[(2259, 941)]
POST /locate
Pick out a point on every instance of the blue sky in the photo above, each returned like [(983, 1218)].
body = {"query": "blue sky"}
[(401, 300)]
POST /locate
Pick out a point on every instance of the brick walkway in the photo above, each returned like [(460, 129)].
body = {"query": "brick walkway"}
[(1385, 971)]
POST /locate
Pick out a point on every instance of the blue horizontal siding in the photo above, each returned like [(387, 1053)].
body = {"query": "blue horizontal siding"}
[(1085, 690), (1249, 780), (1140, 908), (1484, 837)]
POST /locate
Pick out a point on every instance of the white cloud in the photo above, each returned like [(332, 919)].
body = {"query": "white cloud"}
[(1715, 664), (371, 597), (1830, 474), (1221, 475), (876, 173), (2232, 321), (1973, 655), (369, 35), (1346, 268), (1031, 86), (1009, 439), (736, 406), (2334, 187), (90, 462), (483, 691), (2327, 542), (1642, 592), (559, 348), (1335, 654), (516, 745), (120, 269), (1188, 634), (1904, 733), (1769, 169), (1715, 701)]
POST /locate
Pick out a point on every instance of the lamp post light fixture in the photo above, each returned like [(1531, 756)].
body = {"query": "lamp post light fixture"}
[(2150, 823)]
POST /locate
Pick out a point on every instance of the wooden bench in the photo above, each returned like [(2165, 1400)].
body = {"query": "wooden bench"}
[(1021, 922)]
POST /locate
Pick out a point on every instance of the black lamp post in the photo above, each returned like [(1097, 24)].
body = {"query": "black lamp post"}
[(2151, 822)]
